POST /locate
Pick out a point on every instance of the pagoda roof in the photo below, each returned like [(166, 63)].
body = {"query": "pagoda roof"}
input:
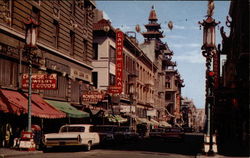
[(153, 25), (152, 15), (152, 34)]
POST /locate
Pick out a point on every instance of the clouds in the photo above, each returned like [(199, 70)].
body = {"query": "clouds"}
[(194, 57), (178, 27), (185, 45)]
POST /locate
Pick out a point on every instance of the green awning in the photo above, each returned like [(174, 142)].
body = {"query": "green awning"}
[(68, 109), (116, 118)]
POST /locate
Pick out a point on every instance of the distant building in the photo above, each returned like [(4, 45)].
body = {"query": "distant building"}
[(167, 81)]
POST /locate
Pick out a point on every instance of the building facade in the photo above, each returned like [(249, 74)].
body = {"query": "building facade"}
[(167, 81), (64, 46), (231, 113)]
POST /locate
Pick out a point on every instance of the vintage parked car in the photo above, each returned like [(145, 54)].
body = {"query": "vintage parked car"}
[(124, 133), (72, 135), (157, 132), (106, 133), (174, 133)]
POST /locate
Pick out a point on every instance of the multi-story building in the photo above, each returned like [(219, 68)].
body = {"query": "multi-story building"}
[(231, 111), (64, 46), (189, 114), (200, 120), (167, 82), (138, 71)]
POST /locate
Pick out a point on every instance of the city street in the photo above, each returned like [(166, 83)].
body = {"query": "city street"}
[(190, 146)]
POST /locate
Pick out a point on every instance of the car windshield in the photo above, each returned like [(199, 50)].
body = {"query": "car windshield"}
[(72, 129)]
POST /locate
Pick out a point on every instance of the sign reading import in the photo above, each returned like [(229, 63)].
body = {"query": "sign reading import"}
[(40, 81)]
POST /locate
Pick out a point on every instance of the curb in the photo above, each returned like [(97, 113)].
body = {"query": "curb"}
[(20, 154)]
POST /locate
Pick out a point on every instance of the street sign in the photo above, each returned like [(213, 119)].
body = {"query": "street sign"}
[(40, 81), (119, 60), (115, 89), (92, 96)]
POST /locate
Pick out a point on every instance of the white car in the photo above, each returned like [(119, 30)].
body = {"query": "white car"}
[(73, 135)]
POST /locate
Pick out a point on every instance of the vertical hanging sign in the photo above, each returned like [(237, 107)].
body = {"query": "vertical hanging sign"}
[(119, 59), (216, 68)]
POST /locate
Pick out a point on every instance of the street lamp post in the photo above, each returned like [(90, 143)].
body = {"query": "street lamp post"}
[(209, 49), (30, 45)]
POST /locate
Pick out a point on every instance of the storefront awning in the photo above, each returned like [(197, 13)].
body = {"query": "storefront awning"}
[(142, 120), (164, 124), (17, 103), (154, 122), (68, 109), (116, 118)]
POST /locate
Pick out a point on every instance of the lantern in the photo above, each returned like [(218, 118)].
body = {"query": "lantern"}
[(209, 32), (170, 25), (31, 32), (137, 28)]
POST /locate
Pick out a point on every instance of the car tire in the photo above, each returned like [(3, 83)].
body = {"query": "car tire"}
[(89, 145)]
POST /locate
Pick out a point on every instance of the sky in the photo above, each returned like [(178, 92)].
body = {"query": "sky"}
[(185, 39)]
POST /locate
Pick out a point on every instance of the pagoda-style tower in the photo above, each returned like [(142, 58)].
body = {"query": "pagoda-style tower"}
[(152, 27)]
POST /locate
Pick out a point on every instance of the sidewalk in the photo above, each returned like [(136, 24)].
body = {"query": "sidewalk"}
[(215, 156), (7, 152)]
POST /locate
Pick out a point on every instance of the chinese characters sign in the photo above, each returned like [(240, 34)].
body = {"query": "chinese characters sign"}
[(40, 81), (119, 63)]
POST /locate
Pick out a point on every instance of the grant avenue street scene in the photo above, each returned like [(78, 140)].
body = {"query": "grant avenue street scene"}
[(124, 79)]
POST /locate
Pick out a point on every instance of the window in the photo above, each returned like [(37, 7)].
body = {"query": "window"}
[(6, 11), (8, 73), (168, 96), (55, 34), (112, 55), (72, 7), (111, 79), (60, 92), (75, 91), (35, 13), (72, 42), (167, 85), (85, 46), (95, 78), (95, 50)]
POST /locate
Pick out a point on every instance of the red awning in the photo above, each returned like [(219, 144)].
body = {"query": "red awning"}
[(17, 103)]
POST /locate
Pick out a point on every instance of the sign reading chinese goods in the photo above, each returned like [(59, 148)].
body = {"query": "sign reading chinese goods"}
[(40, 81)]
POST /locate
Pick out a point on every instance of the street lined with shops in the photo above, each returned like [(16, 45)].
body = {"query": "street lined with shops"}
[(71, 80), (190, 146)]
